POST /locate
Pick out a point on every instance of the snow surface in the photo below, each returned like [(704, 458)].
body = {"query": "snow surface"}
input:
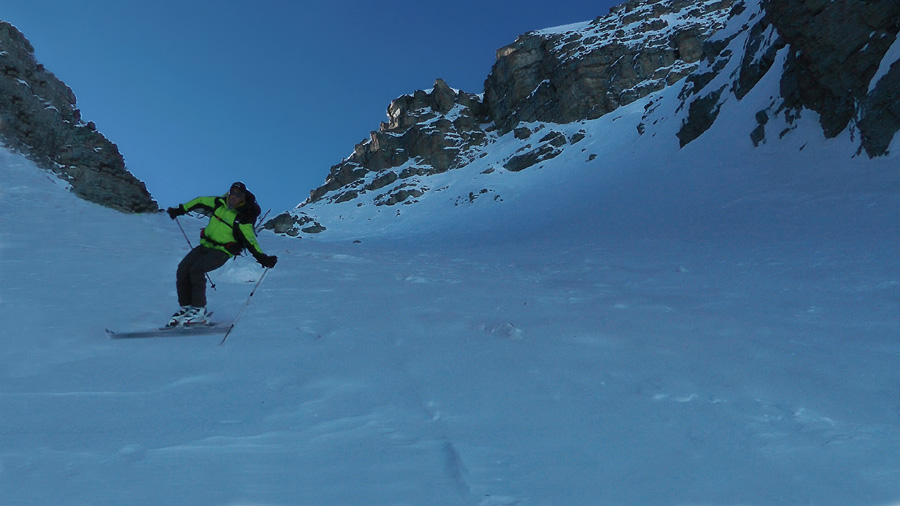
[(890, 59), (657, 326), (720, 332)]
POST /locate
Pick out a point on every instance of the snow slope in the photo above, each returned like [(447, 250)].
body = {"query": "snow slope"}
[(711, 325)]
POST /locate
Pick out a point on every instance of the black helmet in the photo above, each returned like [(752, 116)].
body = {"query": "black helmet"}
[(241, 187), (249, 208)]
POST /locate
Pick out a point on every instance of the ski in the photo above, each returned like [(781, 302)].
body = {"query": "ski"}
[(203, 329)]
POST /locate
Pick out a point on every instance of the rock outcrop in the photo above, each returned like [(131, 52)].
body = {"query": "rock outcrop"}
[(39, 118), (439, 129), (567, 75), (560, 76), (834, 51), (838, 58)]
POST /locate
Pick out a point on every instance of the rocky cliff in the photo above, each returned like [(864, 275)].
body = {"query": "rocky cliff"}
[(585, 71), (558, 75), (38, 117), (832, 57)]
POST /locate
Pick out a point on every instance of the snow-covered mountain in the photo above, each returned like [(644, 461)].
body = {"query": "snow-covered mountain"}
[(550, 99), (629, 321)]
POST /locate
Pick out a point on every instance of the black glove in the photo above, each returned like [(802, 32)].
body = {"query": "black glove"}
[(175, 212), (267, 261)]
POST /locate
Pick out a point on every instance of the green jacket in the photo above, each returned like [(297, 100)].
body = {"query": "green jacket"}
[(229, 230)]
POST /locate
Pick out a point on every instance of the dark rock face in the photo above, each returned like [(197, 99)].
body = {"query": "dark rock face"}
[(880, 118), (38, 117), (835, 49)]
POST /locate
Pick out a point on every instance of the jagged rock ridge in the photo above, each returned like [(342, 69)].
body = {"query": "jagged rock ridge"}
[(438, 129), (838, 58), (559, 76), (39, 118), (564, 75), (588, 70)]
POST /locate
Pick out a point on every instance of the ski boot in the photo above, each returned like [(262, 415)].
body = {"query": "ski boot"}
[(195, 316), (178, 318)]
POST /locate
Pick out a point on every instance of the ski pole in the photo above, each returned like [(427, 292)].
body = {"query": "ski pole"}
[(247, 303), (213, 285), (259, 223)]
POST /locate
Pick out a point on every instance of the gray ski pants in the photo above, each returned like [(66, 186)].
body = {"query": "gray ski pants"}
[(190, 279)]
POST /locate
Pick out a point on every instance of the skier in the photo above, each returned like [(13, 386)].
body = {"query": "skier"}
[(228, 233)]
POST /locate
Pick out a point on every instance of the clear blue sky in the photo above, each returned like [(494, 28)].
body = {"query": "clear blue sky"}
[(198, 94)]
